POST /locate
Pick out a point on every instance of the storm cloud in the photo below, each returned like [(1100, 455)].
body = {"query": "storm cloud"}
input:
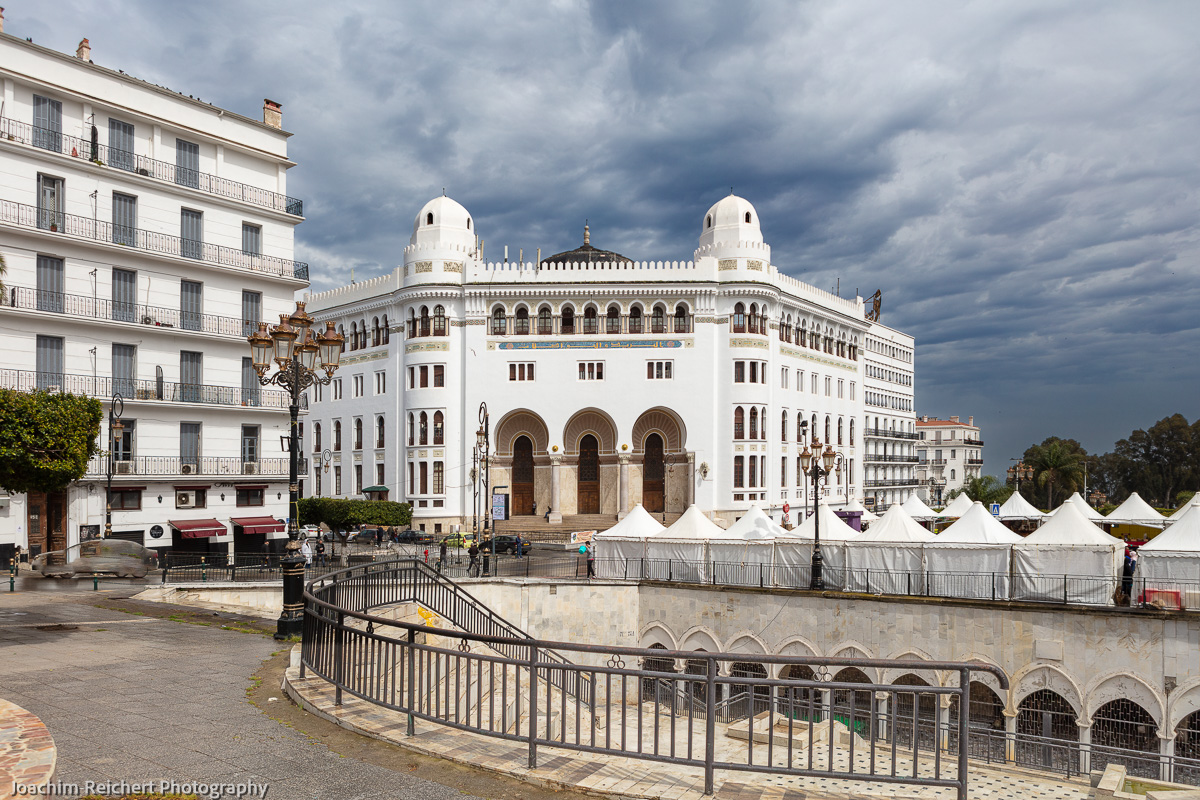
[(1019, 178)]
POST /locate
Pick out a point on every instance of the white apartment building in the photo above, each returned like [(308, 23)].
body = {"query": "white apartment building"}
[(890, 434), (145, 234), (608, 382), (949, 453)]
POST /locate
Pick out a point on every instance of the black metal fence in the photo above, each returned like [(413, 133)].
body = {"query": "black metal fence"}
[(523, 689), (78, 305), (24, 380)]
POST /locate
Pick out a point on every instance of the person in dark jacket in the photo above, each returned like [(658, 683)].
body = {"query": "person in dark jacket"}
[(473, 563), (441, 555)]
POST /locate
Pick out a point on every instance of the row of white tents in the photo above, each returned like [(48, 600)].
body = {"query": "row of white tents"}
[(1067, 559), (1134, 511)]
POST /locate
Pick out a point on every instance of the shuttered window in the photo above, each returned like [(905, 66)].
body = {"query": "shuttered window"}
[(189, 442), (187, 164), (49, 362), (124, 295), (251, 311), (191, 376), (191, 231), (249, 443), (124, 366), (191, 305), (251, 389), (47, 123), (120, 145), (251, 239), (50, 284), (124, 208), (50, 203)]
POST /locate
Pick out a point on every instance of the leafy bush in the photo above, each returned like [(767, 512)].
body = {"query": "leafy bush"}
[(46, 439), (340, 514)]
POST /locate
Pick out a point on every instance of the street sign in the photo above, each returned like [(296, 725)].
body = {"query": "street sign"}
[(499, 507), (786, 520), (995, 509), (786, 508)]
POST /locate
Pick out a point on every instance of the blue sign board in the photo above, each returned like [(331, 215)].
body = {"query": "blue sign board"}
[(995, 509)]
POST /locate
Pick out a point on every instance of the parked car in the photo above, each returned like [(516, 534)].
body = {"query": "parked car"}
[(411, 536), (507, 543), (459, 539), (98, 556)]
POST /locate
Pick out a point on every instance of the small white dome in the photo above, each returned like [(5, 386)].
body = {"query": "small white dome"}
[(731, 219), (443, 220)]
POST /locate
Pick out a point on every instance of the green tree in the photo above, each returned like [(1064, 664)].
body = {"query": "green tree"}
[(987, 489), (1057, 462), (1158, 462), (339, 514), (46, 439)]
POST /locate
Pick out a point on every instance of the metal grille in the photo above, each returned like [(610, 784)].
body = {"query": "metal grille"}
[(1047, 733), (589, 459), (653, 466), (1125, 725)]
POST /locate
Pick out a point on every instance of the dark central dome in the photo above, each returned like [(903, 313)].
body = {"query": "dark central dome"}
[(586, 254)]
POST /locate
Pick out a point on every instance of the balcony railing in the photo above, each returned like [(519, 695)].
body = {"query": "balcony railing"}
[(23, 132), (892, 482), (77, 305), (134, 389), (883, 432), (975, 461), (869, 457), (974, 442), (72, 225), (938, 462), (204, 466)]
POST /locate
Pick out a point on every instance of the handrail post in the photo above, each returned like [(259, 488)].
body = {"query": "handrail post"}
[(533, 708), (412, 680), (338, 651), (964, 716), (710, 724)]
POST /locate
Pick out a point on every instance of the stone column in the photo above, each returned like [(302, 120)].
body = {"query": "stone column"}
[(1010, 735), (1085, 754), (690, 496), (555, 490), (623, 486), (1166, 751)]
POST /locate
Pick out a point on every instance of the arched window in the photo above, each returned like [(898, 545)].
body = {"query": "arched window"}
[(739, 423), (658, 320), (429, 218), (681, 319), (423, 432), (438, 435), (612, 322), (739, 318), (567, 325), (635, 320), (362, 333), (337, 434), (358, 439), (753, 424), (752, 322), (439, 320), (424, 320), (375, 336), (545, 322), (412, 323), (764, 324), (379, 433), (499, 324), (468, 223), (802, 334), (747, 217), (828, 429), (412, 430), (840, 421), (353, 336), (708, 221), (951, 474), (387, 333), (852, 433), (521, 324), (317, 436), (591, 324), (813, 427), (342, 331), (783, 427), (763, 433)]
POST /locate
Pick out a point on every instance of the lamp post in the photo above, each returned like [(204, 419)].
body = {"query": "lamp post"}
[(115, 430), (1019, 472), (483, 446), (818, 465), (939, 484), (295, 350)]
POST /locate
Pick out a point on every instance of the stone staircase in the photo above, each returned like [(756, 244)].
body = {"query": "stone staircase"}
[(536, 529)]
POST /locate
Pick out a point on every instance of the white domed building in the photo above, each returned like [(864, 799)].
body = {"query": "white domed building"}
[(608, 382)]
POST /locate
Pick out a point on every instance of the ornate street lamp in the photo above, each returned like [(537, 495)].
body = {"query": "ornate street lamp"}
[(818, 465), (115, 430), (294, 349)]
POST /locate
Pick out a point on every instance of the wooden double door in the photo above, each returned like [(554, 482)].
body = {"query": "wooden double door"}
[(47, 521), (588, 490)]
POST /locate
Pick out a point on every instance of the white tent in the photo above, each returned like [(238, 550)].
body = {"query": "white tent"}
[(865, 516), (742, 557), (917, 510), (1170, 562), (1136, 511), (621, 550), (1081, 504), (678, 553), (958, 506), (1069, 559), (1017, 509), (793, 552), (971, 558), (888, 557), (1182, 510)]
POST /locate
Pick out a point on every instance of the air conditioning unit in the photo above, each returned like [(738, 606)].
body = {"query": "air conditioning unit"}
[(187, 469), (185, 500), (249, 467), (124, 468)]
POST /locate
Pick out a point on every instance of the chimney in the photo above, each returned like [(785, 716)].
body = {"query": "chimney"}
[(272, 114), (970, 420), (954, 419), (84, 51)]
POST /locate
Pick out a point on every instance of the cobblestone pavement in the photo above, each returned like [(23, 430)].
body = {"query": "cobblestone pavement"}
[(139, 698)]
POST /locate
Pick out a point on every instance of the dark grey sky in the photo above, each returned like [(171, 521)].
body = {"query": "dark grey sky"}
[(1019, 178)]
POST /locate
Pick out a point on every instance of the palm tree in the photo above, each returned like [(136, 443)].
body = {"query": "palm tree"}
[(1055, 462)]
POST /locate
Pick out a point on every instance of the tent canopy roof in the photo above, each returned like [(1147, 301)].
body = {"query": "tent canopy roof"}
[(1087, 511), (1136, 511), (916, 509), (1017, 507), (976, 526), (1185, 508), (755, 525), (696, 526), (958, 506), (1070, 527), (895, 526), (833, 527), (638, 524), (1182, 536)]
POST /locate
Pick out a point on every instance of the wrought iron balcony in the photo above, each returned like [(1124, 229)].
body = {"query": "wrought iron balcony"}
[(876, 457), (975, 461), (16, 131), (74, 226), (937, 462), (974, 442), (202, 466), (887, 434), (133, 389), (77, 305), (892, 482)]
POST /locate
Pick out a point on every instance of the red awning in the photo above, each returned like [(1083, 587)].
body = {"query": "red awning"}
[(258, 524), (198, 528)]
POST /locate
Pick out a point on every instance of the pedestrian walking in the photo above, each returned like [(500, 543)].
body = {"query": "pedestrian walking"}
[(379, 537), (266, 554), (441, 555), (473, 562), (321, 552), (591, 560), (306, 551), (426, 555)]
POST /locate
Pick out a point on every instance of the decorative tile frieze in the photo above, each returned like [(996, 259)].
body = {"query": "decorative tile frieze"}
[(727, 263)]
